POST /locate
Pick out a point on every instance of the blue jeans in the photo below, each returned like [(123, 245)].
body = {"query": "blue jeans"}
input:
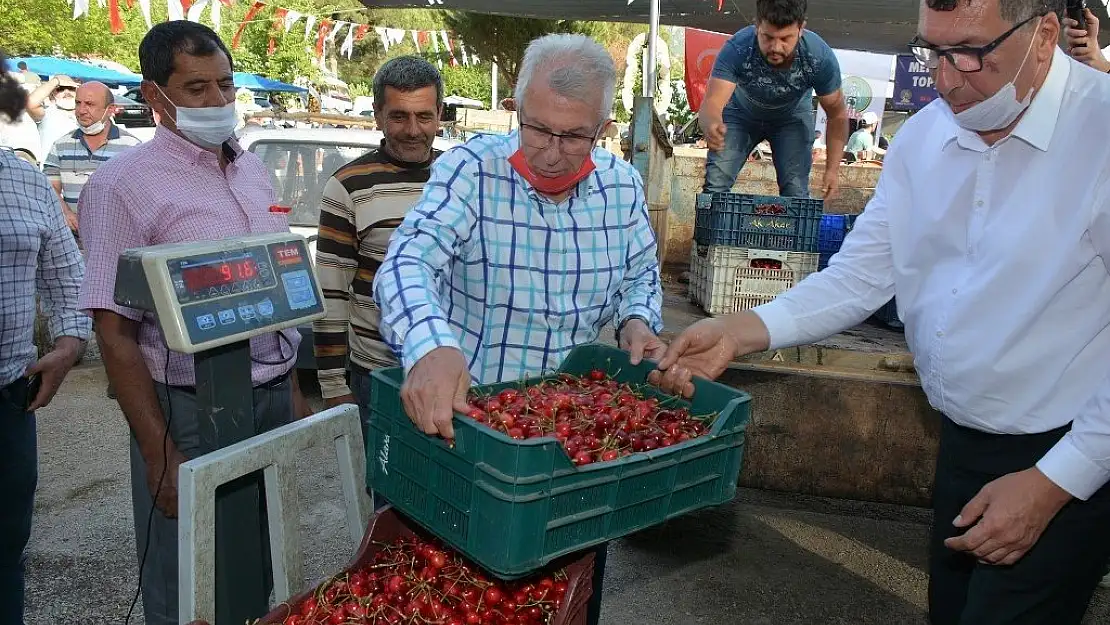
[(791, 140), (19, 471)]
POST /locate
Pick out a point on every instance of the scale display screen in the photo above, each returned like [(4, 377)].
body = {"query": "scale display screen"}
[(208, 276), (198, 279)]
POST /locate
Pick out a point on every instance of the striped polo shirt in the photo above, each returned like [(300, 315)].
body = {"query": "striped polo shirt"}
[(363, 202), (72, 162)]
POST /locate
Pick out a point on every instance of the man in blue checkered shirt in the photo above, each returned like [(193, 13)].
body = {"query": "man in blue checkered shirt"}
[(38, 256), (523, 246)]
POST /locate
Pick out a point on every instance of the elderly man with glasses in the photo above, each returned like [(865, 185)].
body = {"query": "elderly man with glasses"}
[(991, 224), (522, 246)]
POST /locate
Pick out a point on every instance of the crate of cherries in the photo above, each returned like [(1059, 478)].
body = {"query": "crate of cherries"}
[(402, 576), (548, 466)]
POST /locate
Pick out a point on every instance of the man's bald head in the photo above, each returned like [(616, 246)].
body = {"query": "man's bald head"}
[(94, 100), (97, 90)]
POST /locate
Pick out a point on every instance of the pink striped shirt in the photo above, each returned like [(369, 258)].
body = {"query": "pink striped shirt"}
[(171, 191)]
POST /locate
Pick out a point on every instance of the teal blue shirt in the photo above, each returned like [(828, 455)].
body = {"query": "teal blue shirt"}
[(764, 92)]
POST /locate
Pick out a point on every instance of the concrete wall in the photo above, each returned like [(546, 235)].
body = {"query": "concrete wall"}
[(854, 435), (857, 184)]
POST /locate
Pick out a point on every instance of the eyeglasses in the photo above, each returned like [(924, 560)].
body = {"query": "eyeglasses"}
[(966, 59), (569, 143)]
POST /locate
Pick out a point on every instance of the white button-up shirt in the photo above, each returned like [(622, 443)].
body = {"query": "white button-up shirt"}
[(998, 256)]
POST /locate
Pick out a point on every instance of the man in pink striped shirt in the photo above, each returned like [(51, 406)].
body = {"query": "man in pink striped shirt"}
[(192, 182)]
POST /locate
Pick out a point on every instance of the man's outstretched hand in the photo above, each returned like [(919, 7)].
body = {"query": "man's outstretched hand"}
[(706, 348)]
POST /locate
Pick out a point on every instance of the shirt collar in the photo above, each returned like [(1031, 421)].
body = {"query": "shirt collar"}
[(179, 147), (1038, 123)]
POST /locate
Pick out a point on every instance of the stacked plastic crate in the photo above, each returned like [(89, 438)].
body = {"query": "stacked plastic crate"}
[(750, 248), (832, 232), (831, 235)]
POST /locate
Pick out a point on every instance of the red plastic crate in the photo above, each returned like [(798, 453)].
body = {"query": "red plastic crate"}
[(388, 525)]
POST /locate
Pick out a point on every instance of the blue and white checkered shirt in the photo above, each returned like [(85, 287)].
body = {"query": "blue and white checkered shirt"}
[(37, 255), (483, 264)]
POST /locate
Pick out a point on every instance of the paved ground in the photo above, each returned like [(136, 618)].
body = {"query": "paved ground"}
[(764, 559)]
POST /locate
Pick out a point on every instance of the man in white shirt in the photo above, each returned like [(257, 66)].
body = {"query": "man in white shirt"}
[(996, 240), (57, 117)]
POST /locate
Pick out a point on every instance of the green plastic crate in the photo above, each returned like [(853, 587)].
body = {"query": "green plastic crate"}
[(513, 506)]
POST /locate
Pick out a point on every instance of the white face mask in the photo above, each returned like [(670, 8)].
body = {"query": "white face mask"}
[(1001, 109), (208, 127), (96, 127), (65, 104)]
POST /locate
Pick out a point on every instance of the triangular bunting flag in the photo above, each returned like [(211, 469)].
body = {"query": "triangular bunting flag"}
[(114, 20), (196, 9), (292, 17), (251, 13), (174, 10), (144, 8)]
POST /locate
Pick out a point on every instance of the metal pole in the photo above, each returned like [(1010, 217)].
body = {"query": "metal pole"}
[(653, 34), (493, 81)]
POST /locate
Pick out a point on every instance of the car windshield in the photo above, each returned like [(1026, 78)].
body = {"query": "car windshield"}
[(300, 169)]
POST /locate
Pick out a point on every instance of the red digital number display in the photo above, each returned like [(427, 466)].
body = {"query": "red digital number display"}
[(219, 274)]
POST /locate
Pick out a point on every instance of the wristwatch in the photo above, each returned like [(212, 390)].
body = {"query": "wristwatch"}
[(617, 333)]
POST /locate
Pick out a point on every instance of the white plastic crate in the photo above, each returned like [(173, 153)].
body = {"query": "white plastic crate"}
[(723, 280)]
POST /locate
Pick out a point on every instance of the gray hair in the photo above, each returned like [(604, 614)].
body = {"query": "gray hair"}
[(577, 67), (406, 73), (1012, 11)]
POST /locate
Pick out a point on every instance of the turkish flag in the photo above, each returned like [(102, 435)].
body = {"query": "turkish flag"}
[(702, 47)]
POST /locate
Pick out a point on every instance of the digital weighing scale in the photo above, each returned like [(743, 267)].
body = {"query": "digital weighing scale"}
[(210, 298)]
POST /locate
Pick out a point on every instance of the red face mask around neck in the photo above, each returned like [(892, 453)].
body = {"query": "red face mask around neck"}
[(550, 186)]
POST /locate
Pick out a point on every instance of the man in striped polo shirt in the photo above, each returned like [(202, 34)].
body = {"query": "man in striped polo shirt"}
[(363, 202), (75, 156)]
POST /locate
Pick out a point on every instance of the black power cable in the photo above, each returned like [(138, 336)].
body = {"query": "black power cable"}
[(161, 479), (165, 462)]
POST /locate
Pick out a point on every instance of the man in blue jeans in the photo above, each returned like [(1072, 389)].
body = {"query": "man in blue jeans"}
[(40, 257), (761, 89)]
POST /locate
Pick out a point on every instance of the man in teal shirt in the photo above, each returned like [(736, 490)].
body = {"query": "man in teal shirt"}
[(761, 89)]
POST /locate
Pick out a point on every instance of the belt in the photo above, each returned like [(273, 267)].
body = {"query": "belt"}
[(265, 386)]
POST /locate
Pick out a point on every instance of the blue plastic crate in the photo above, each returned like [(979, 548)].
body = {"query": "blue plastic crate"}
[(831, 236), (765, 222)]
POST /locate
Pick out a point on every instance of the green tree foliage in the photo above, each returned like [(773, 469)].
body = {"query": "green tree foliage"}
[(46, 27), (502, 39)]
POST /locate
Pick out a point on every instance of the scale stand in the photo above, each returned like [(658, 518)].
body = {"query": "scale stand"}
[(210, 298), (226, 416)]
